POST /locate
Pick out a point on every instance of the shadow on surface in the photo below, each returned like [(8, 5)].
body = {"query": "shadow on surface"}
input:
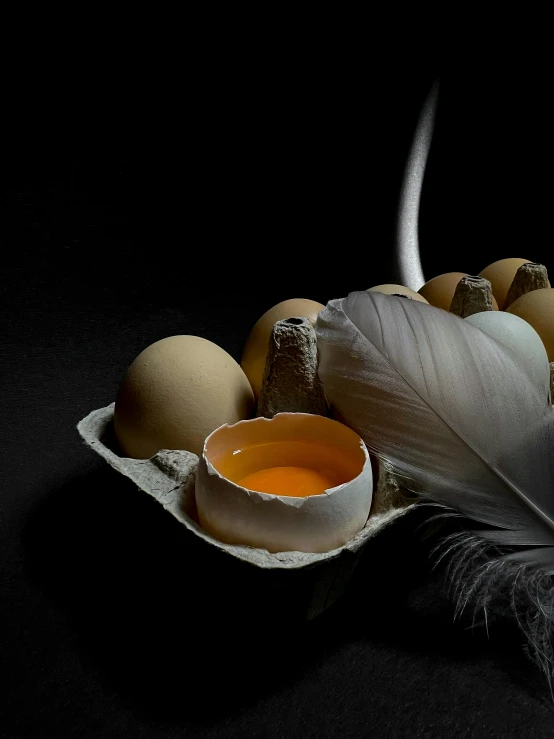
[(181, 631)]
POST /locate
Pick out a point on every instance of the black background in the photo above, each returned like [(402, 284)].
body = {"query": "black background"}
[(144, 206)]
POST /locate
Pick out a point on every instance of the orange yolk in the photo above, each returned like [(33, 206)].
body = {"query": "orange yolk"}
[(297, 482), (296, 468)]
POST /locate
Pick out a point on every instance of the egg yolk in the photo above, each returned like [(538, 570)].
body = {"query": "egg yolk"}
[(291, 468), (298, 482)]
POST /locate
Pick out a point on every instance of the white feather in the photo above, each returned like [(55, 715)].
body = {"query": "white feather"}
[(451, 408)]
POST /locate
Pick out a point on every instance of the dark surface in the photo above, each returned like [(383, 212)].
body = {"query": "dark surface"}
[(121, 226)]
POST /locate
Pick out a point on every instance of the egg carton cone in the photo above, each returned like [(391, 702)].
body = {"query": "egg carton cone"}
[(316, 580)]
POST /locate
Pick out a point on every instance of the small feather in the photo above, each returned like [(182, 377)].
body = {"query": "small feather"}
[(488, 581)]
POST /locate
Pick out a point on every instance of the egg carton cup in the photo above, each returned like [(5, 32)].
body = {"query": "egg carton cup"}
[(169, 477)]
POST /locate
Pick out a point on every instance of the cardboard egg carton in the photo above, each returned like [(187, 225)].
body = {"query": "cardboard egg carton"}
[(169, 477)]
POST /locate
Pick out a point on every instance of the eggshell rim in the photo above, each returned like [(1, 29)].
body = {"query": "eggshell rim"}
[(295, 501)]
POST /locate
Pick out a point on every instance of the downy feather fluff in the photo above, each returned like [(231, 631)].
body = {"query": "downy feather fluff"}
[(459, 415)]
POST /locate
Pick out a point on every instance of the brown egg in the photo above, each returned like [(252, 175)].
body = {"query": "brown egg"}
[(440, 290), (501, 275), (397, 290), (257, 343), (175, 393), (537, 308)]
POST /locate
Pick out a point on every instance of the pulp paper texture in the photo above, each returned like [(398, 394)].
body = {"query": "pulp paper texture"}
[(290, 382), (169, 477)]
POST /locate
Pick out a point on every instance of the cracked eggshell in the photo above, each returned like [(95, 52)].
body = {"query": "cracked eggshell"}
[(317, 523)]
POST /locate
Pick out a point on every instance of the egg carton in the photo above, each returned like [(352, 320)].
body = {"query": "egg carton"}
[(317, 579)]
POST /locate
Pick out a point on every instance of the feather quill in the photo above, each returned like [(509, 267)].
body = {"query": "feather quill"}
[(407, 269), (460, 416)]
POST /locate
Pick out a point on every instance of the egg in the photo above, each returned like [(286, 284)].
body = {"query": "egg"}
[(397, 290), (296, 482), (256, 347), (537, 308), (175, 393), (520, 338), (440, 290), (501, 275)]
